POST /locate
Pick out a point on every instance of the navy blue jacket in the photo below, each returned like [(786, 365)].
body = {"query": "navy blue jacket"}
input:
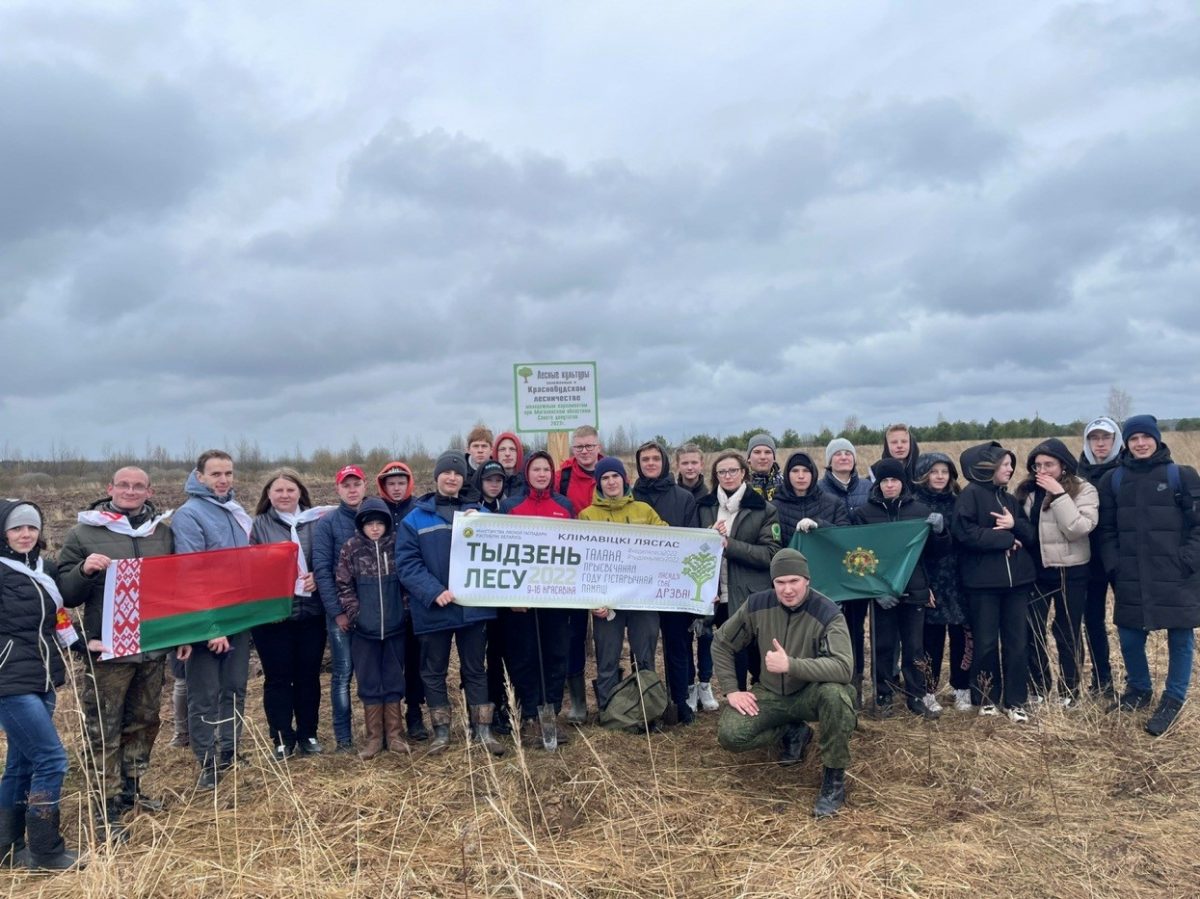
[(329, 536)]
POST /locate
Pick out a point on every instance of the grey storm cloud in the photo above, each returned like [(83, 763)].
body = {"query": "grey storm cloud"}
[(295, 231)]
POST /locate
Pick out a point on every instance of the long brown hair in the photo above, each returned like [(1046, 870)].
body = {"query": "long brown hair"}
[(290, 474)]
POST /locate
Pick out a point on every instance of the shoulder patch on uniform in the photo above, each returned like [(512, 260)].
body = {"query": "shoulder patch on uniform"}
[(822, 608), (762, 600), (775, 531)]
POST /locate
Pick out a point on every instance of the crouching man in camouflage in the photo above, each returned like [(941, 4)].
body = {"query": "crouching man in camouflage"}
[(807, 665)]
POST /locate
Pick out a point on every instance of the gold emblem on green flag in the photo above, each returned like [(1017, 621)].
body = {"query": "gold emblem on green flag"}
[(861, 561)]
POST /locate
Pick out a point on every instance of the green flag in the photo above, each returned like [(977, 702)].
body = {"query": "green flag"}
[(865, 560)]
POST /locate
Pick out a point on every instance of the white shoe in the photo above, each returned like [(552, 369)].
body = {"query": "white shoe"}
[(692, 699), (1036, 699), (987, 710), (962, 701), (1068, 703), (707, 701), (931, 703), (1017, 715)]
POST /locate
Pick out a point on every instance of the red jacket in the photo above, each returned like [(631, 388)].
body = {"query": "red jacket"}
[(581, 485), (543, 503)]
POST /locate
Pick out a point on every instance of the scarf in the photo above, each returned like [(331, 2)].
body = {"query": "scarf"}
[(118, 522), (728, 507), (64, 631), (240, 515), (292, 519)]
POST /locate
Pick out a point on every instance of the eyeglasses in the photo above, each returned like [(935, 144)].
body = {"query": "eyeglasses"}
[(1045, 466), (728, 472), (585, 447), (126, 487)]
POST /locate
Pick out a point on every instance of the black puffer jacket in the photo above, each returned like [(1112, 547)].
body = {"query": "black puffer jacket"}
[(1093, 473), (30, 659), (905, 507), (988, 558), (944, 579), (827, 511), (1150, 543), (674, 504)]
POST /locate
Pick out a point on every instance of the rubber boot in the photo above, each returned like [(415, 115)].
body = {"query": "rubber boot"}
[(578, 713), (440, 718), (393, 729), (132, 796), (481, 727), (833, 793), (416, 723), (12, 838), (373, 745), (47, 850), (106, 819)]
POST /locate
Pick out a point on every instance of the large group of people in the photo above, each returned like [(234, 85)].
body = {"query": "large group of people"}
[(372, 583)]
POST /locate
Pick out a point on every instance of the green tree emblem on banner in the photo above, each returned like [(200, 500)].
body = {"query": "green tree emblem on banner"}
[(700, 566), (861, 561)]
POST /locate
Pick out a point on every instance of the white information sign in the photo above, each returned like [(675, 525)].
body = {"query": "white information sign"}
[(555, 396)]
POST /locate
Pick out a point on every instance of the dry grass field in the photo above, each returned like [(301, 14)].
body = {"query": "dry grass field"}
[(1074, 804)]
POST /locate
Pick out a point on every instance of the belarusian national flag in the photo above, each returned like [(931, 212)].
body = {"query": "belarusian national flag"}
[(863, 560), (167, 601)]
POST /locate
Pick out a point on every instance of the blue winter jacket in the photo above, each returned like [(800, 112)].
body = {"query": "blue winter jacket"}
[(330, 535), (851, 495), (423, 563), (200, 525)]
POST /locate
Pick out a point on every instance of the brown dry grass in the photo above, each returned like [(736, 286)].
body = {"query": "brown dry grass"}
[(1076, 804)]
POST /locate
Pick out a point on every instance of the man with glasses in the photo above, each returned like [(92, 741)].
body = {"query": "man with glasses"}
[(577, 482), (120, 697)]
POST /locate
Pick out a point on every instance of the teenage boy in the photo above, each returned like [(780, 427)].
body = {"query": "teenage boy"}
[(899, 444), (765, 476), (479, 449), (1102, 445), (689, 462)]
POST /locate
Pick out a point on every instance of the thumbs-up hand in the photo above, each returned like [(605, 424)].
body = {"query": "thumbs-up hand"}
[(777, 659)]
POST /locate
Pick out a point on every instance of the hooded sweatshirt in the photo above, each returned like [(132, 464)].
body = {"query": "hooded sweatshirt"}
[(674, 504), (514, 483), (400, 509), (542, 503), (944, 579), (827, 511), (909, 462), (989, 558), (905, 507)]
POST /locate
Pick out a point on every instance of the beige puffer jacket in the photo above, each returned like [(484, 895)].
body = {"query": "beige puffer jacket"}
[(1063, 528)]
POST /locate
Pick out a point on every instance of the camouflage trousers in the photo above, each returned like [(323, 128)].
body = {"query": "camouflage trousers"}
[(830, 704), (121, 710)]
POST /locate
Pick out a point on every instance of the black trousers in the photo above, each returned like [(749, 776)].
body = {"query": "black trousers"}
[(536, 650), (676, 630), (1095, 622), (471, 641), (414, 687), (291, 652), (855, 612), (1069, 599), (497, 639), (960, 653), (378, 667), (901, 627), (998, 622)]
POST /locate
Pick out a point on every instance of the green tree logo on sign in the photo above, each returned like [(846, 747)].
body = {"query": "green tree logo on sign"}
[(700, 566), (525, 373)]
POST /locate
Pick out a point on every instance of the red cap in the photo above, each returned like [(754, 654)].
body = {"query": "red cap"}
[(349, 471)]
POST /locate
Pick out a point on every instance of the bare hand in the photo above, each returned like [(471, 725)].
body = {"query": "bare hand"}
[(310, 582), (183, 653), (444, 598), (777, 659), (343, 623), (1004, 520), (218, 645), (1049, 484), (96, 563), (97, 646), (932, 600), (744, 702), (601, 612), (721, 529)]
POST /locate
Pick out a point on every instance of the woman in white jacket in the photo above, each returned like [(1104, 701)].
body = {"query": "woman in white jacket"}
[(1064, 509)]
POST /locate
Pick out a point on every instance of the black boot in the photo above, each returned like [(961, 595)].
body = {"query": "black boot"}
[(106, 819), (1132, 700), (440, 717), (12, 838), (1168, 709), (578, 712), (47, 850), (793, 744), (132, 795), (833, 793), (416, 723)]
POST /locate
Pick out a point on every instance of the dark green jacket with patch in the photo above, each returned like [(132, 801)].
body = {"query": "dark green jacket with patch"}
[(814, 635)]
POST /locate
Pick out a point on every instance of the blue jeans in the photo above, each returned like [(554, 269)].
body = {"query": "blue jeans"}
[(339, 682), (1181, 643), (37, 761)]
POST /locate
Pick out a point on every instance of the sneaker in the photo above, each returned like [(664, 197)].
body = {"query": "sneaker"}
[(283, 752), (931, 703), (1036, 699), (1168, 710), (884, 706), (919, 708), (987, 710), (708, 701), (310, 746), (1068, 703), (1131, 701), (693, 697), (1018, 715), (962, 701), (344, 747), (209, 775)]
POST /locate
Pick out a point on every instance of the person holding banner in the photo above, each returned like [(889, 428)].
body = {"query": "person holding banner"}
[(807, 666), (750, 532), (535, 640), (120, 697), (899, 621), (32, 632), (994, 536), (423, 563), (291, 650), (613, 502), (216, 671)]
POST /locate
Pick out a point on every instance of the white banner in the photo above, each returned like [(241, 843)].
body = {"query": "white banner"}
[(512, 560)]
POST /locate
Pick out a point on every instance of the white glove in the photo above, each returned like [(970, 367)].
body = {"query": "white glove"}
[(806, 525)]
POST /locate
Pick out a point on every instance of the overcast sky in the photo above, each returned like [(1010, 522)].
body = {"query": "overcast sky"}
[(301, 223)]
